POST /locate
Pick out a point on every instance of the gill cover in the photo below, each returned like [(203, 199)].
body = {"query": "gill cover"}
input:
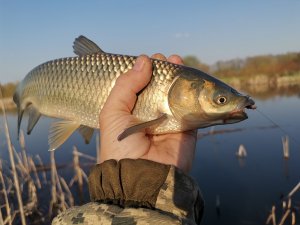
[(183, 99)]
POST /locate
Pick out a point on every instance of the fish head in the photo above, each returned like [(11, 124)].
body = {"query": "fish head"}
[(222, 104), (203, 101)]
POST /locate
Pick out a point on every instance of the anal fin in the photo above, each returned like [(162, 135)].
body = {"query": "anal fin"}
[(34, 116), (86, 132), (59, 132), (141, 126)]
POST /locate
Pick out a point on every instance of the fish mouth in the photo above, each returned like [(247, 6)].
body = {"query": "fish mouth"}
[(239, 114), (250, 104)]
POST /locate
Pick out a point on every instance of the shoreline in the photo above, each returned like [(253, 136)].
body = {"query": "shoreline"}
[(9, 104), (262, 80), (255, 85)]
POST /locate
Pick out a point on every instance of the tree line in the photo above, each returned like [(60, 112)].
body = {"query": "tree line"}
[(270, 65), (8, 89)]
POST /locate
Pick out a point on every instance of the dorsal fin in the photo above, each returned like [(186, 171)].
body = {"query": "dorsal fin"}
[(83, 46)]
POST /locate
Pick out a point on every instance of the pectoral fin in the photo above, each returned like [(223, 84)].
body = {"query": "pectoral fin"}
[(59, 132), (34, 116), (141, 126), (86, 132)]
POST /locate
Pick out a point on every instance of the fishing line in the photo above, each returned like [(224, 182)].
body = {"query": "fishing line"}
[(279, 127)]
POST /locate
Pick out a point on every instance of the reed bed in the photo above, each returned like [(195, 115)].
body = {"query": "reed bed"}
[(31, 172), (12, 162), (25, 178), (288, 210)]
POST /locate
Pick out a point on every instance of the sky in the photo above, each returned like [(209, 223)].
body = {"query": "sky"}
[(32, 32)]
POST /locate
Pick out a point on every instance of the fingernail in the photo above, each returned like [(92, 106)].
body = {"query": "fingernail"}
[(139, 64)]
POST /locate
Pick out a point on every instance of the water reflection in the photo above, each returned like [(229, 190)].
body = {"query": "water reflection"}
[(268, 91)]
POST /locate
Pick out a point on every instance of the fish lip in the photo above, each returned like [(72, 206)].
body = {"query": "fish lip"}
[(239, 114), (250, 104), (235, 117)]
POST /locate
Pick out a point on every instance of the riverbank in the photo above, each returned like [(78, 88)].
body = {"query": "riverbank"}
[(9, 104), (263, 86)]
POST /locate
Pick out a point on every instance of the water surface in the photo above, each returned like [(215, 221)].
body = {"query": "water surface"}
[(247, 188)]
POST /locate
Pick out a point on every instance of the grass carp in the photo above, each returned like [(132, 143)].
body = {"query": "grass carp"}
[(74, 89)]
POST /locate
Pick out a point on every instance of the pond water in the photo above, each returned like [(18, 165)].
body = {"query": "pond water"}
[(246, 188)]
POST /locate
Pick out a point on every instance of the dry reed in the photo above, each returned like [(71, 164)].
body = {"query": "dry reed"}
[(68, 192), (79, 173), (53, 201), (285, 145), (23, 170), (272, 216), (32, 202), (294, 190), (61, 196), (33, 168), (23, 149), (62, 204), (242, 152), (4, 193), (1, 218), (287, 210), (12, 162), (41, 164)]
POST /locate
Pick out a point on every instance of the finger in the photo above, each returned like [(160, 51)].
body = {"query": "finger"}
[(123, 95), (175, 59), (159, 56)]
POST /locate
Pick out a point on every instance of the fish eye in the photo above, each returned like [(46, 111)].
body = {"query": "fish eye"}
[(221, 100)]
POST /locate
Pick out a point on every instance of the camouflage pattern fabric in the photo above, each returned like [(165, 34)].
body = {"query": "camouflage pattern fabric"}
[(178, 200), (181, 196), (96, 213)]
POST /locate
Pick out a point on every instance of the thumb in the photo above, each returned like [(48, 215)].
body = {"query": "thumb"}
[(123, 95)]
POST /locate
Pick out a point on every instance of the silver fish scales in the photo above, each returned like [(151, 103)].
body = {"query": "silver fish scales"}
[(76, 88)]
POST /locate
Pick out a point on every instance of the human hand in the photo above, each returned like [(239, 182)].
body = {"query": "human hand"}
[(176, 149)]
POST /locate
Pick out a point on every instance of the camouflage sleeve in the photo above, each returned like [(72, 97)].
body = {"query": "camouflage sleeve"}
[(137, 192)]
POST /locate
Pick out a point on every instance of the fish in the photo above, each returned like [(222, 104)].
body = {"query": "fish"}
[(74, 89)]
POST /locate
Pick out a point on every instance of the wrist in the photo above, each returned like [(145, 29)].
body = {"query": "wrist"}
[(144, 183)]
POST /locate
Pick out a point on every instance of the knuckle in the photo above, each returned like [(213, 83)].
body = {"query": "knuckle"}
[(159, 56)]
